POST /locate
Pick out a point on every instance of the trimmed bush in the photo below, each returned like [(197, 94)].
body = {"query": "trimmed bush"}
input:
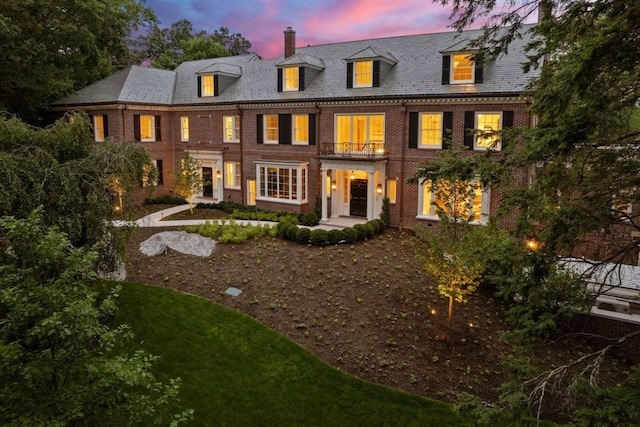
[(303, 235), (378, 225), (292, 233), (309, 218), (335, 236), (350, 235), (362, 233), (281, 229), (319, 237), (385, 216), (369, 230)]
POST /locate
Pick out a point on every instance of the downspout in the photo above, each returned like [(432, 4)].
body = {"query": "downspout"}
[(243, 184)]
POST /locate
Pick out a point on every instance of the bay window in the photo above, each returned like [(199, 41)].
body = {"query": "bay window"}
[(282, 182)]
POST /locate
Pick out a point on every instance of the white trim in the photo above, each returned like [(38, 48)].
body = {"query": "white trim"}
[(425, 146)]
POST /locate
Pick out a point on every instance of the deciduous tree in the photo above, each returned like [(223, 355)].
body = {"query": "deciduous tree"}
[(188, 180)]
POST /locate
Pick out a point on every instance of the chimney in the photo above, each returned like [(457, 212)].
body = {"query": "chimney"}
[(289, 42)]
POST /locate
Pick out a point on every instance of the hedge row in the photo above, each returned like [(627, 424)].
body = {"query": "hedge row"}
[(238, 211), (321, 237)]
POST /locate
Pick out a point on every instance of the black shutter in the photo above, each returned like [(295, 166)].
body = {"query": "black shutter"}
[(199, 86), (93, 126), (159, 167), (284, 129), (478, 75), (158, 128), (136, 127), (507, 119), (469, 126), (216, 89), (301, 78), (447, 129), (376, 73), (259, 128), (279, 79), (413, 130), (446, 69), (349, 75), (105, 124), (312, 129)]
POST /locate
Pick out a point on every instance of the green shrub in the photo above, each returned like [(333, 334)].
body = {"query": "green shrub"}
[(362, 233), (378, 225), (165, 200), (350, 235), (309, 218), (335, 237), (319, 237), (385, 216), (281, 229), (292, 233), (303, 235)]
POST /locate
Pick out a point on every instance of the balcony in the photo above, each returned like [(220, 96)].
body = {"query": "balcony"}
[(354, 150)]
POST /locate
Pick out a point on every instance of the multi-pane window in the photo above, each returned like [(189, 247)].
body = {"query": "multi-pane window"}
[(99, 131), (231, 128), (360, 134), (251, 192), (207, 87), (300, 129), (363, 74), (462, 200), (282, 183), (290, 75), (462, 68), (392, 190), (270, 128), (184, 128), (430, 130), (232, 175), (147, 128), (488, 126)]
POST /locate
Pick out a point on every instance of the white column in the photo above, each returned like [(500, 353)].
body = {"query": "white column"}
[(371, 196), (323, 177)]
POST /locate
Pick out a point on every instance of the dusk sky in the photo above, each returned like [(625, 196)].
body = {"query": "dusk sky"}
[(315, 21)]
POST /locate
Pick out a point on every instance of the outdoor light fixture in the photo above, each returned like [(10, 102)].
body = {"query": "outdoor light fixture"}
[(379, 189), (352, 176), (334, 184), (533, 244), (218, 174)]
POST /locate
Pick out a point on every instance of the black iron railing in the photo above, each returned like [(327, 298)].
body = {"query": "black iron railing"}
[(353, 149)]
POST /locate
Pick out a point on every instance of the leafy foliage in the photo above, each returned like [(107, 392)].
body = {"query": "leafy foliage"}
[(187, 181), (60, 363)]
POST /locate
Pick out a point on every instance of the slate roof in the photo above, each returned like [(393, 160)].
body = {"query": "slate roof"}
[(417, 73)]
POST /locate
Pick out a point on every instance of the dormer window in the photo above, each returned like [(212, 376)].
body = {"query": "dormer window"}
[(363, 74), (207, 85), (291, 78), (461, 68)]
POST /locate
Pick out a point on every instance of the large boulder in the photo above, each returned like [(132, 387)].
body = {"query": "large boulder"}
[(180, 241)]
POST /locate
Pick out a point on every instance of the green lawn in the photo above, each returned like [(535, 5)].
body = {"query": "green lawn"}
[(237, 372)]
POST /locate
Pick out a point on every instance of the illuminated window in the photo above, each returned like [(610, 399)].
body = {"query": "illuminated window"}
[(360, 134), (290, 75), (231, 128), (231, 175), (282, 182), (270, 128), (152, 173), (147, 128), (392, 188), (363, 74), (430, 130), (184, 128), (99, 128), (300, 129), (460, 200), (251, 192), (207, 87), (462, 66), (488, 126)]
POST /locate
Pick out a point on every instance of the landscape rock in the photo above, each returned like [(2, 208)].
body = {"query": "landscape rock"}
[(180, 241)]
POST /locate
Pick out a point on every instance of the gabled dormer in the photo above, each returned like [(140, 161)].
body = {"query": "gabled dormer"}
[(368, 67), (297, 72), (215, 78), (461, 66)]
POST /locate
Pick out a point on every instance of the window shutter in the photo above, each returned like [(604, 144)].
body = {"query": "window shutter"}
[(199, 86), (93, 126), (279, 79), (216, 89), (158, 128), (136, 127), (469, 126), (105, 124), (413, 129), (159, 167), (446, 69), (349, 75), (284, 129), (312, 129), (478, 75), (447, 129), (259, 128), (376, 73), (507, 119), (301, 78)]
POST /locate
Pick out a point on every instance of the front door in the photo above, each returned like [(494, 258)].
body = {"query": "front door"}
[(358, 204), (207, 182)]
